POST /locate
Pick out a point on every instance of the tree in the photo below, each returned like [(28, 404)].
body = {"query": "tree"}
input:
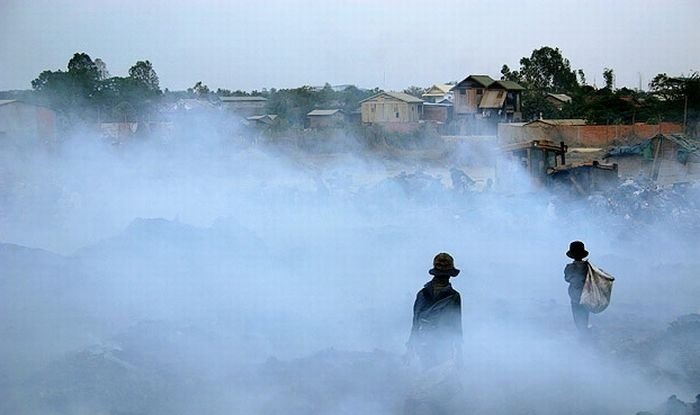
[(609, 78), (144, 73), (200, 89), (69, 92), (677, 98), (102, 71), (415, 91), (82, 66), (546, 70), (508, 75)]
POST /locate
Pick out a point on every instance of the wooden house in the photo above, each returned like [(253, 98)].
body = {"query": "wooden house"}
[(391, 107), (439, 93), (321, 118), (244, 106)]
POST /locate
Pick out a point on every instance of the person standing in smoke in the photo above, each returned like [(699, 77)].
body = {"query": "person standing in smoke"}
[(575, 275), (436, 334)]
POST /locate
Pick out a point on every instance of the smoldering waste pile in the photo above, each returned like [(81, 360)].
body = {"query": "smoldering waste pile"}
[(641, 200), (263, 310)]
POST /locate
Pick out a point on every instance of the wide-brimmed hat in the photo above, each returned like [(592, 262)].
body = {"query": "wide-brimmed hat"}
[(444, 265), (577, 250)]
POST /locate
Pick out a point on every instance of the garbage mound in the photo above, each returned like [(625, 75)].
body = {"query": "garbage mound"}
[(675, 406), (674, 354), (641, 200)]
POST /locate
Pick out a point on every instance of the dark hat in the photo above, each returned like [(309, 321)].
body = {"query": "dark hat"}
[(577, 250), (444, 265)]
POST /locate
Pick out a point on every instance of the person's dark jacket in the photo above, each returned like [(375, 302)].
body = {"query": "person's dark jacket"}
[(437, 316), (575, 275)]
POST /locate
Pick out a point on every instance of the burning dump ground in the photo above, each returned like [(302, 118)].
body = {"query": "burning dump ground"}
[(202, 276)]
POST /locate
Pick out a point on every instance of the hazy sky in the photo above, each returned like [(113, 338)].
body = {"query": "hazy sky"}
[(390, 44)]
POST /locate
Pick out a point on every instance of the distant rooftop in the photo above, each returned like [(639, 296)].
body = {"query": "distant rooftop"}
[(323, 112), (510, 85), (401, 96), (560, 97), (483, 80), (241, 99), (568, 121)]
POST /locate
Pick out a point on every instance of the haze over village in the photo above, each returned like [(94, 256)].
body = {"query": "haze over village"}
[(229, 208)]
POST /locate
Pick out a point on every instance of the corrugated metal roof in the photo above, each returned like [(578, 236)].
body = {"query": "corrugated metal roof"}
[(571, 121), (483, 80), (560, 97), (323, 112), (7, 101), (396, 95), (438, 90), (493, 99), (239, 99), (511, 85)]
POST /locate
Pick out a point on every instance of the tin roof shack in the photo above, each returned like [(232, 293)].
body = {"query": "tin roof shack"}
[(319, 119), (558, 100), (439, 93), (395, 111), (21, 121), (261, 121), (665, 158), (544, 162), (244, 106)]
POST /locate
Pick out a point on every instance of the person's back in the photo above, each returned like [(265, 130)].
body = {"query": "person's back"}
[(575, 275), (436, 334)]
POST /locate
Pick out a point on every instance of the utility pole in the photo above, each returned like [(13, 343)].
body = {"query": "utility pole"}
[(685, 110)]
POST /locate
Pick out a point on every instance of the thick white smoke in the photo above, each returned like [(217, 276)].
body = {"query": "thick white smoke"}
[(209, 275)]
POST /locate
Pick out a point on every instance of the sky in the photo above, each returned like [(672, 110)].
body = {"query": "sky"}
[(389, 44)]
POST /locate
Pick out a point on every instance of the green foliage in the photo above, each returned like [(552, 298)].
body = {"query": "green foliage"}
[(292, 105), (415, 91), (143, 73), (609, 78), (535, 105), (547, 70), (676, 98), (86, 91)]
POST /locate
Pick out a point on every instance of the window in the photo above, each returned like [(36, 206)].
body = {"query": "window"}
[(462, 92), (479, 91)]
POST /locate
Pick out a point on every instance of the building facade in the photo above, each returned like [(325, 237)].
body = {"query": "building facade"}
[(19, 120), (391, 107)]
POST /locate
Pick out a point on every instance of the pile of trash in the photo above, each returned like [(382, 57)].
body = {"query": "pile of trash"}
[(675, 406), (673, 354), (641, 200)]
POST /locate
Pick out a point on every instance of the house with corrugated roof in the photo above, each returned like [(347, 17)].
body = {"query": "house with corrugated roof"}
[(391, 107), (480, 95), (325, 118), (558, 100), (480, 103), (439, 93), (244, 105)]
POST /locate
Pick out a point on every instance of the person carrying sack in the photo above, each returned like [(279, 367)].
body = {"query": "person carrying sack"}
[(590, 287)]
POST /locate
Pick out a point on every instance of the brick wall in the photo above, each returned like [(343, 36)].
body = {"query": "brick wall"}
[(585, 135)]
